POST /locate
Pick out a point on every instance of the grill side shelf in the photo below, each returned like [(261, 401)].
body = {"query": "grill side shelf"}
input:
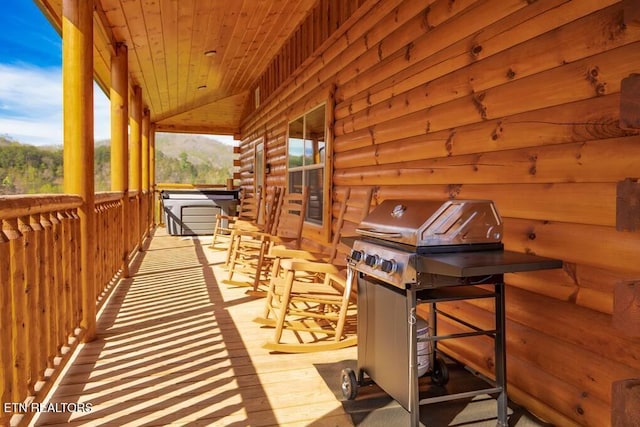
[(484, 263)]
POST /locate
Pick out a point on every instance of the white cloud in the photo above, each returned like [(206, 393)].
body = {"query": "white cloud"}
[(31, 105)]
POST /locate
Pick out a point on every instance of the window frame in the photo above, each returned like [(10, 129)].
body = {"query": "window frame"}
[(260, 175), (313, 229)]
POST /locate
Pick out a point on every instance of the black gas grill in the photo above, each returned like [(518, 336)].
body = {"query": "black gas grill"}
[(411, 252)]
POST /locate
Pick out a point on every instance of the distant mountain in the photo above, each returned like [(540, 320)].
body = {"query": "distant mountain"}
[(200, 149), (201, 160), (187, 159), (27, 169), (7, 141)]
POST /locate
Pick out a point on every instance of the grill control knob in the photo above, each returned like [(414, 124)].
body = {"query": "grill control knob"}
[(371, 260), (356, 255), (388, 265)]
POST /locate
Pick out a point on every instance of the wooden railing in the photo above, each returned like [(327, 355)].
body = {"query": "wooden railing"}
[(40, 285), (41, 295), (111, 248), (39, 292)]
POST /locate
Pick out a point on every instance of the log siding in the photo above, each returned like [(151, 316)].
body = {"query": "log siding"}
[(511, 100)]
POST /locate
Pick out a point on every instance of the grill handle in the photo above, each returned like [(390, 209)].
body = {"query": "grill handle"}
[(370, 232)]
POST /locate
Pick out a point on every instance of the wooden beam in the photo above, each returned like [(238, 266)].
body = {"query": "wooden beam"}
[(631, 12), (628, 205), (209, 130), (630, 102), (626, 308), (77, 66), (625, 410)]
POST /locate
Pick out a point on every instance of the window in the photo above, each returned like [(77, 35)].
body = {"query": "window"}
[(307, 153)]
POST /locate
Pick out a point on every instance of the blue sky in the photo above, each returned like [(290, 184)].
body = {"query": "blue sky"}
[(31, 78)]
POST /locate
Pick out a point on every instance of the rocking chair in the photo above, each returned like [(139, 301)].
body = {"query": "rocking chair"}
[(250, 247), (315, 297), (248, 211)]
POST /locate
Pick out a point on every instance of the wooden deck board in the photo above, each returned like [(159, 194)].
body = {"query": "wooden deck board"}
[(174, 347)]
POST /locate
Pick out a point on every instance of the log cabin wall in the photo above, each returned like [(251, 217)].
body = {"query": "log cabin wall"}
[(511, 100)]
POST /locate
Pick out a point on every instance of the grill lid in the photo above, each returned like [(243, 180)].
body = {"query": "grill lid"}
[(422, 223)]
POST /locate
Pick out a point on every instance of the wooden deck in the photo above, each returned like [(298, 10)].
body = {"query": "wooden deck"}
[(174, 347)]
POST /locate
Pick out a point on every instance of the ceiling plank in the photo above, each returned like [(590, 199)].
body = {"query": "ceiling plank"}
[(166, 41)]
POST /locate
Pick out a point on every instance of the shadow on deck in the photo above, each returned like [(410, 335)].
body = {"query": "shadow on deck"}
[(174, 347)]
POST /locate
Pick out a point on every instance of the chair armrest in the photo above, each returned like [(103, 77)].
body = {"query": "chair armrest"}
[(308, 266), (284, 252)]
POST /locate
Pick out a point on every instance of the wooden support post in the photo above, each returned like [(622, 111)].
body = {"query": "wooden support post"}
[(135, 182), (145, 150), (144, 219), (119, 95), (152, 171), (625, 406), (77, 82)]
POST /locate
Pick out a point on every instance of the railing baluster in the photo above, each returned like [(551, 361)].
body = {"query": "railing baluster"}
[(18, 303), (47, 289), (67, 266), (75, 294), (57, 286), (39, 334), (6, 328), (30, 272)]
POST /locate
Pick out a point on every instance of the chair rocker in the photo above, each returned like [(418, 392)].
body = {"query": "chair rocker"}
[(312, 302)]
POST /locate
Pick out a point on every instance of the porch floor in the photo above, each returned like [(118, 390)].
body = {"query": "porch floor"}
[(175, 347)]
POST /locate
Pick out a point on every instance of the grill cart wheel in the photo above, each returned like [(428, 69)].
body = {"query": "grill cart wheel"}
[(440, 373), (349, 384)]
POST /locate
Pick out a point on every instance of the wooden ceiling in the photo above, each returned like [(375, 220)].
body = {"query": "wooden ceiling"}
[(185, 90)]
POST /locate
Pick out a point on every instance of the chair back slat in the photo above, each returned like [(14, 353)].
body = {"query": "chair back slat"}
[(272, 209), (292, 215), (250, 205), (353, 209)]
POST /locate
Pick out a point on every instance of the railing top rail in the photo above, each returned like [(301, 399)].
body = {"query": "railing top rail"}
[(174, 186), (108, 196), (24, 205)]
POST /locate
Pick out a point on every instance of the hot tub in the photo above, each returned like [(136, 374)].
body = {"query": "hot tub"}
[(193, 212)]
